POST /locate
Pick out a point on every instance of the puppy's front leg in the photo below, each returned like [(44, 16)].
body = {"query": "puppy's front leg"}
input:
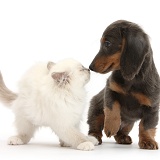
[(112, 119), (147, 128)]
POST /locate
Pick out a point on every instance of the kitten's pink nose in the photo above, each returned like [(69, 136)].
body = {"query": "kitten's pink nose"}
[(88, 70)]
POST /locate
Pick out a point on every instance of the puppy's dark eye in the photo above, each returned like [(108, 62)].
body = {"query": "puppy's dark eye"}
[(107, 43)]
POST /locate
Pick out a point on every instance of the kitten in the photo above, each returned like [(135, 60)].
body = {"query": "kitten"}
[(50, 94)]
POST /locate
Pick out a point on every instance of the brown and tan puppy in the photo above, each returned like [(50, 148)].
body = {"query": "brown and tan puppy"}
[(132, 91)]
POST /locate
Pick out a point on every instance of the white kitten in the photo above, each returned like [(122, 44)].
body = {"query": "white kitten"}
[(50, 94)]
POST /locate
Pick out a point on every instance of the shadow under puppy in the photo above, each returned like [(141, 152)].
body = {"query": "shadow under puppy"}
[(132, 91)]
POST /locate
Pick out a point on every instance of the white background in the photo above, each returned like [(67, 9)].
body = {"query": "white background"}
[(46, 30)]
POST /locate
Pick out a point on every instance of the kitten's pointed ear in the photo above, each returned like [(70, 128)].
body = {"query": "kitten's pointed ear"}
[(50, 65), (60, 77)]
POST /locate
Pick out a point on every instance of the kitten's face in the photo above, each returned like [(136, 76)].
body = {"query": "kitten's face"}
[(69, 72)]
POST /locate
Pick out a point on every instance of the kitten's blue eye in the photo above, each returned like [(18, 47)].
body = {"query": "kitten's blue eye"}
[(107, 43)]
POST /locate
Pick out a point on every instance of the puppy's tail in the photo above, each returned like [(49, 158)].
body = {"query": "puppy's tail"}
[(6, 95)]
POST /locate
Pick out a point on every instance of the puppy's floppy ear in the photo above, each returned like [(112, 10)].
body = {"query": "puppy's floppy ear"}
[(134, 52), (50, 65), (60, 77)]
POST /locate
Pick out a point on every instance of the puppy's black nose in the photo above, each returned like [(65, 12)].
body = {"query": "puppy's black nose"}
[(91, 67)]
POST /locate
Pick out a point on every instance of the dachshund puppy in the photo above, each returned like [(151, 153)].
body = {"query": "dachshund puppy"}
[(132, 91)]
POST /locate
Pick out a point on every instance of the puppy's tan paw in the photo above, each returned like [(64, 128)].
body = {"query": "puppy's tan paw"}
[(110, 132), (148, 144), (111, 127), (112, 120), (123, 139)]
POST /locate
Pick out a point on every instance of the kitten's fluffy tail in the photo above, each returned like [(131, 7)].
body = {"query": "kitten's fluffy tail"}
[(6, 95)]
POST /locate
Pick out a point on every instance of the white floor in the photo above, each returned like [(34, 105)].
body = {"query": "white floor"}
[(50, 150), (45, 145)]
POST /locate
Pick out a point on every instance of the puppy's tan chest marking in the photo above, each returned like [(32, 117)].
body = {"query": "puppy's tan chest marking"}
[(116, 87), (141, 98)]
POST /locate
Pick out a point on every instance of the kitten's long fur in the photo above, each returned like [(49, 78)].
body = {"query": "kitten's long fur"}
[(50, 94)]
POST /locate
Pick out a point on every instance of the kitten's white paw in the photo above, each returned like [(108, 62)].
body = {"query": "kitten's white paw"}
[(63, 144), (86, 146), (15, 141), (93, 140)]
